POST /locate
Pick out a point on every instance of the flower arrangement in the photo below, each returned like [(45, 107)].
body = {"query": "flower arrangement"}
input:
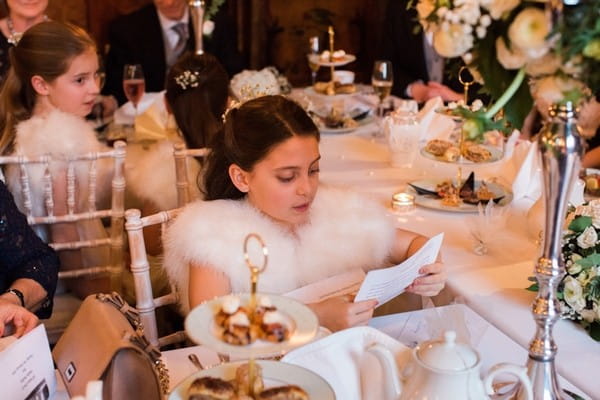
[(504, 41), (579, 292), (208, 26)]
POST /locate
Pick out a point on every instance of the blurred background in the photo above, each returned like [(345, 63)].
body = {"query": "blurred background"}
[(270, 32)]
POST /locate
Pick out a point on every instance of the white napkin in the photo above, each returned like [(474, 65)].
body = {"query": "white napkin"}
[(527, 185), (342, 360), (433, 124), (152, 124), (426, 114), (125, 114)]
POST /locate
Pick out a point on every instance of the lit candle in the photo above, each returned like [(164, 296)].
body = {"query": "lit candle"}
[(403, 202)]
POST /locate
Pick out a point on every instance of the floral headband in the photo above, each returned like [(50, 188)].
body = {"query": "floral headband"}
[(188, 79)]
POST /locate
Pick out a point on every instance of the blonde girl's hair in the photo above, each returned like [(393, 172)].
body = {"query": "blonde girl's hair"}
[(46, 49)]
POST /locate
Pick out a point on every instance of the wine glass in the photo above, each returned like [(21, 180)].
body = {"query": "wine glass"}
[(313, 55), (382, 81), (134, 84)]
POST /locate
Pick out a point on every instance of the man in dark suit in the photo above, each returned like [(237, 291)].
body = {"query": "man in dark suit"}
[(419, 72), (150, 37)]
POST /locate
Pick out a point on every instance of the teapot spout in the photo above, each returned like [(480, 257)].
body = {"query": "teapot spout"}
[(391, 377)]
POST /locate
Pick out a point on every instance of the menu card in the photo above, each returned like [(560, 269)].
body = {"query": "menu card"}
[(387, 283), (26, 367)]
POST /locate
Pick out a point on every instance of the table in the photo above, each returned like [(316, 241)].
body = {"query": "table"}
[(493, 285)]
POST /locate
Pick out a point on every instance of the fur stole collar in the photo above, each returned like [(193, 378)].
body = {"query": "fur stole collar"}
[(57, 133), (346, 231), (60, 135), (150, 174)]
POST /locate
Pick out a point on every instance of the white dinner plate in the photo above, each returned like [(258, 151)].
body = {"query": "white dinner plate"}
[(302, 322), (436, 202), (316, 59), (496, 155), (275, 373)]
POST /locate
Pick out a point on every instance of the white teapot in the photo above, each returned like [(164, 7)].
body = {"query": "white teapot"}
[(443, 369)]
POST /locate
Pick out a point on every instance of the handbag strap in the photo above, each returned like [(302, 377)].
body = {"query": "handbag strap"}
[(138, 338)]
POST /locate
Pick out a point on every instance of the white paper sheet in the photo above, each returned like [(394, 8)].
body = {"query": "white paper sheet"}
[(387, 283), (338, 285), (26, 368)]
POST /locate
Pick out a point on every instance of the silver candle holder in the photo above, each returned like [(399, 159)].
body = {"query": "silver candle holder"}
[(197, 10), (561, 149)]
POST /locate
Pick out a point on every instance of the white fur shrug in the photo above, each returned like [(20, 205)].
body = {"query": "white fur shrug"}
[(60, 135), (346, 231), (150, 174), (63, 135)]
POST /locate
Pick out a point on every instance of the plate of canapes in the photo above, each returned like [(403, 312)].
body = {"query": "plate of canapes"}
[(450, 152), (274, 381), (328, 59), (447, 195), (229, 325)]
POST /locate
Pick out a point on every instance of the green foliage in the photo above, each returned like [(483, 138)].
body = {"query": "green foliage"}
[(213, 9), (589, 261), (580, 223)]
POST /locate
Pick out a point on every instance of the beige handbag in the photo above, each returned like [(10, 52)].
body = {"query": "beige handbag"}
[(105, 341)]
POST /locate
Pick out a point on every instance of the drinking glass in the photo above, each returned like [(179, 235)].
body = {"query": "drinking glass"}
[(382, 81), (313, 55), (134, 84)]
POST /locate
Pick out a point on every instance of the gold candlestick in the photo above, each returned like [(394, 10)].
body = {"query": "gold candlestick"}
[(331, 86)]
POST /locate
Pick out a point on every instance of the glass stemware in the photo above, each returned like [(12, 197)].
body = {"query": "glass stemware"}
[(134, 84), (382, 80), (313, 54)]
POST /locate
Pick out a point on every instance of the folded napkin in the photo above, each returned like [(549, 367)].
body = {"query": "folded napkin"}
[(126, 113), (342, 360), (527, 184), (153, 124), (433, 124)]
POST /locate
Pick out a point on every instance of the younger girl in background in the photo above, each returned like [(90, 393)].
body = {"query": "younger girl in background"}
[(51, 86), (262, 176), (196, 97)]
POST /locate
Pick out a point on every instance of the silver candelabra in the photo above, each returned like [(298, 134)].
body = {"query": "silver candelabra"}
[(197, 9), (560, 148)]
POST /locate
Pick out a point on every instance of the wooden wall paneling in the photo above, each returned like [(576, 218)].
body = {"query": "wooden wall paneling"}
[(73, 11), (101, 12)]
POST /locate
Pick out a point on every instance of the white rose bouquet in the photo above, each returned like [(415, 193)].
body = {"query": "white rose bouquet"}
[(504, 41), (579, 292)]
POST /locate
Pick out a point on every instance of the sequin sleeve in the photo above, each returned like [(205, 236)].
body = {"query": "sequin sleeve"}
[(23, 254)]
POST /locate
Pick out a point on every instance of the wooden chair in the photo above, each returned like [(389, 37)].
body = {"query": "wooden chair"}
[(146, 304), (25, 165), (180, 153)]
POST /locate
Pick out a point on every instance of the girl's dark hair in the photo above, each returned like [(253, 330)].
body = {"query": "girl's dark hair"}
[(46, 49), (249, 133), (196, 92)]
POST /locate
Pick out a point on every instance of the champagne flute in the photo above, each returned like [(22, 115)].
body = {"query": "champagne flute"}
[(134, 84), (313, 57), (382, 81)]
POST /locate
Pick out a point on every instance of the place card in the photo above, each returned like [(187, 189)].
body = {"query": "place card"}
[(386, 283)]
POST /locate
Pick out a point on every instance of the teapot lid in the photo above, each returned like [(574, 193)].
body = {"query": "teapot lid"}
[(446, 354)]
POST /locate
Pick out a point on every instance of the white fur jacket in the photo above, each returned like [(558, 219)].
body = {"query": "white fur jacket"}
[(346, 231), (150, 174), (63, 135), (60, 135)]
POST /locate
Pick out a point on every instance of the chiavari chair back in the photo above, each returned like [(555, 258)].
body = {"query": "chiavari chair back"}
[(146, 303)]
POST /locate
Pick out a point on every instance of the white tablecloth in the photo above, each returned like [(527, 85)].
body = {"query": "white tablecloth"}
[(493, 285)]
